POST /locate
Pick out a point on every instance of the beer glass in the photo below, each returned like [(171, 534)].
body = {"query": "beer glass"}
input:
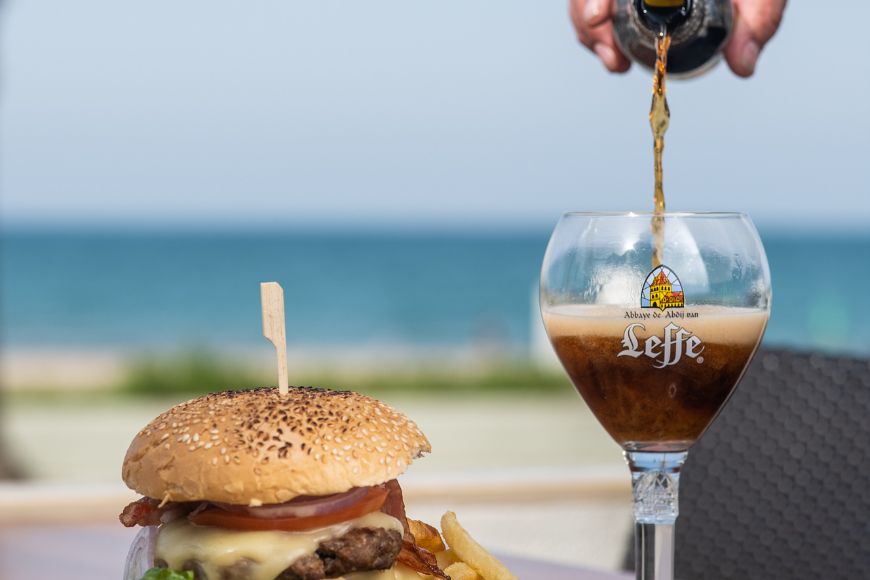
[(655, 318)]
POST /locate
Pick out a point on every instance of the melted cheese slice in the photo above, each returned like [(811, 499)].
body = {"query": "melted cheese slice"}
[(272, 552)]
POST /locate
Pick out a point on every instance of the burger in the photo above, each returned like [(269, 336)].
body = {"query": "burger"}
[(256, 485)]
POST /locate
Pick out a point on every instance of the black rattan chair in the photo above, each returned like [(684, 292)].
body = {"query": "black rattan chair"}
[(779, 487)]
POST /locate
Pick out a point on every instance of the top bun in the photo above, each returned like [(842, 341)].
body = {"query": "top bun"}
[(258, 447)]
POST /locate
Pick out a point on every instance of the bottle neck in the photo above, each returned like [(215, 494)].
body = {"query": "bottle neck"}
[(696, 41), (663, 16)]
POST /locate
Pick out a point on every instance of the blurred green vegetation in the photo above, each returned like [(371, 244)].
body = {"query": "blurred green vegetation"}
[(191, 374), (199, 373)]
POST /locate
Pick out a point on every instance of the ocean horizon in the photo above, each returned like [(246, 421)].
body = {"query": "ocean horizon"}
[(424, 289)]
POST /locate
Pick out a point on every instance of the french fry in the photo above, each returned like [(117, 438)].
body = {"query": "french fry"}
[(461, 571), (445, 558), (426, 536), (472, 553)]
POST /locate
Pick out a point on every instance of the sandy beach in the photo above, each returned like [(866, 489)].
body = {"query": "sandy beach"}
[(101, 368), (61, 369), (468, 434)]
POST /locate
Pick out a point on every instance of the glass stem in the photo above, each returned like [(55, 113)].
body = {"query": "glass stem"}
[(655, 482)]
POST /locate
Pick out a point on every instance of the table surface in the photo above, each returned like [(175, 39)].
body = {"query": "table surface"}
[(82, 552)]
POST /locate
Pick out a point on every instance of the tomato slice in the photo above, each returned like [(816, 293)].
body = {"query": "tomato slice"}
[(214, 516)]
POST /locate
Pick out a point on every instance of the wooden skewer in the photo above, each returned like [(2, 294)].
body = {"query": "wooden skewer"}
[(272, 298)]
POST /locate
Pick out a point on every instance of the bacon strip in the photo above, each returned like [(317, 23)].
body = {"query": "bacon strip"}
[(148, 512), (420, 560), (413, 556), (143, 512)]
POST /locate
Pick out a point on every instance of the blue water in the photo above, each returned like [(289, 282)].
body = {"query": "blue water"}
[(175, 289)]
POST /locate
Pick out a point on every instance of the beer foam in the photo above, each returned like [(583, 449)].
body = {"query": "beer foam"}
[(716, 324)]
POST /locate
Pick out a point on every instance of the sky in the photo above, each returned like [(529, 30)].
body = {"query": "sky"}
[(398, 113)]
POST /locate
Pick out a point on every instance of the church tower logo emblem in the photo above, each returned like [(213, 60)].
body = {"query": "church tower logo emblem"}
[(662, 290)]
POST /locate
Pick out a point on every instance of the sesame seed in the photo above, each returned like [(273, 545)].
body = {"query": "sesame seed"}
[(326, 425)]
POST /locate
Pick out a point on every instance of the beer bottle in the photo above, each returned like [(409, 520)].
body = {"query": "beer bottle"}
[(698, 31)]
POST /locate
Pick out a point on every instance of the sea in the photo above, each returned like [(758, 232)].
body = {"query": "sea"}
[(345, 289)]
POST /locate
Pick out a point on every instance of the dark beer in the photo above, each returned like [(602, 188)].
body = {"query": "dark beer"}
[(655, 384)]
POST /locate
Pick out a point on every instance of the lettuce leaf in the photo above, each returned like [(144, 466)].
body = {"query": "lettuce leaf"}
[(167, 574)]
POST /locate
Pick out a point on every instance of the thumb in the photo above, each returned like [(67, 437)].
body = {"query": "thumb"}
[(756, 22)]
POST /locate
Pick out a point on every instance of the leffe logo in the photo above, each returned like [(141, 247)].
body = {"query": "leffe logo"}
[(665, 351), (662, 289)]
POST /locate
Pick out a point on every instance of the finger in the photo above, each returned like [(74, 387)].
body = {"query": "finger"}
[(604, 45), (755, 23), (599, 39), (595, 12), (762, 16), (588, 14), (742, 50)]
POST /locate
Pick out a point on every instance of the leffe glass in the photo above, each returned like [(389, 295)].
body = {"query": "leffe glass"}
[(655, 341)]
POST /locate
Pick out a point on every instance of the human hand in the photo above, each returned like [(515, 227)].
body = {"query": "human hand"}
[(755, 22)]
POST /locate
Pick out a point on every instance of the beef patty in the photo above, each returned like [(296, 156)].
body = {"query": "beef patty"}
[(359, 550)]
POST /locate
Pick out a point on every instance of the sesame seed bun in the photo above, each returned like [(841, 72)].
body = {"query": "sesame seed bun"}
[(258, 447)]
